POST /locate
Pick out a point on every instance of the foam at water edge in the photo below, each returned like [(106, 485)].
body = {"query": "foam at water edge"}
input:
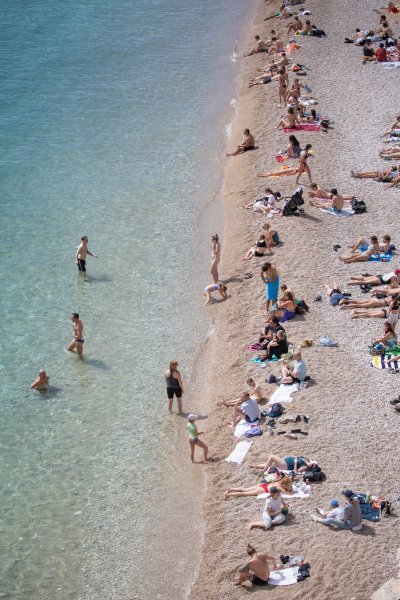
[(234, 56)]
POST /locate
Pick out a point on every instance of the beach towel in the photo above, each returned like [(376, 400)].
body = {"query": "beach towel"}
[(301, 491), (243, 427), (239, 452), (303, 127), (377, 362), (284, 576), (382, 256), (391, 65), (346, 212), (284, 393), (368, 512), (307, 102)]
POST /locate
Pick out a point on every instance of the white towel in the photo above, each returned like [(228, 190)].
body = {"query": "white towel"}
[(284, 576), (237, 455), (301, 492), (345, 212), (244, 426), (284, 393)]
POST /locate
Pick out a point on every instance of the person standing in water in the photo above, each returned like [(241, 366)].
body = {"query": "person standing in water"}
[(194, 438), (77, 331), (173, 379), (215, 257), (81, 253), (41, 382)]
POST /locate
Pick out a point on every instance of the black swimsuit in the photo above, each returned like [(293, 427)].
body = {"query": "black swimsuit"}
[(260, 245)]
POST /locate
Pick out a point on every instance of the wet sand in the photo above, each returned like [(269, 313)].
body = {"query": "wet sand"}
[(353, 432)]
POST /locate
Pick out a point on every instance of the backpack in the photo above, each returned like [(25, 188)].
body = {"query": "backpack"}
[(358, 206), (314, 474), (276, 410)]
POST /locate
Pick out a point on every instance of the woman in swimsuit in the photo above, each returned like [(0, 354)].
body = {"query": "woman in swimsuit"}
[(286, 308), (373, 248), (389, 337), (258, 250), (387, 278), (285, 484), (303, 166), (290, 120), (294, 148), (215, 257), (298, 464), (271, 235), (266, 204), (373, 303), (270, 277), (391, 313), (173, 379)]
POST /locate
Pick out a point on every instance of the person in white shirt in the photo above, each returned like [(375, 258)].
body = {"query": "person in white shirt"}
[(274, 511), (245, 408)]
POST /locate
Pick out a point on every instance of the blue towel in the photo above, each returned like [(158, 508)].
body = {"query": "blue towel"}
[(368, 513)]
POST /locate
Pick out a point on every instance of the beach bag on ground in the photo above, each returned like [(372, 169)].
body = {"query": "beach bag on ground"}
[(358, 206), (314, 474), (276, 410)]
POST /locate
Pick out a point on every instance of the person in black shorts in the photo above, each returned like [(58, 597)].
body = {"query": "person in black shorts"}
[(173, 379), (81, 253), (257, 569)]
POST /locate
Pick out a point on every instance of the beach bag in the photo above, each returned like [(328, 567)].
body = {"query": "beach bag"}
[(314, 474), (253, 432), (276, 410), (358, 206)]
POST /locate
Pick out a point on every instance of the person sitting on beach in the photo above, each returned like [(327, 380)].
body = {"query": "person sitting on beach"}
[(391, 313), (257, 569), (284, 484), (295, 25), (368, 52), (245, 408), (297, 464), (392, 8), (363, 243), (248, 144), (312, 118), (358, 37), (385, 175), (255, 393), (41, 382), (258, 250), (274, 513), (276, 347), (381, 54), (269, 330), (294, 148), (271, 235), (289, 121), (266, 204), (286, 309), (336, 204), (296, 374), (385, 279), (365, 255), (276, 46), (388, 339), (350, 518), (306, 29), (260, 47), (214, 287), (395, 125), (194, 438), (395, 179)]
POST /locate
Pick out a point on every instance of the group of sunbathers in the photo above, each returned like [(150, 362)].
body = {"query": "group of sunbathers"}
[(387, 49)]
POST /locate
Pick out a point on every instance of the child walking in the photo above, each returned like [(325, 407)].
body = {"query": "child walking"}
[(194, 438)]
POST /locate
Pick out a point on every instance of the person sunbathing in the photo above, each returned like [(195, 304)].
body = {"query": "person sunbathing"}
[(337, 201), (346, 303), (257, 251), (363, 243), (284, 484), (266, 77), (317, 192), (365, 255), (298, 464), (387, 278), (255, 393), (294, 148), (289, 120), (266, 204), (286, 309), (295, 25), (385, 175), (276, 46), (260, 47), (395, 125), (391, 313), (393, 152), (388, 339), (285, 170), (395, 181), (248, 144), (312, 118), (271, 235)]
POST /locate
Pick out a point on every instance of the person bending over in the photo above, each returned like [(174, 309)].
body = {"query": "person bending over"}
[(214, 287), (257, 569)]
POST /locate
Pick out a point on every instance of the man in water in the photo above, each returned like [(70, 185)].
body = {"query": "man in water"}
[(81, 253), (257, 569), (41, 382), (77, 332)]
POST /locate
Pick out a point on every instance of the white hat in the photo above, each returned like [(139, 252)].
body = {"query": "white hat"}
[(192, 417)]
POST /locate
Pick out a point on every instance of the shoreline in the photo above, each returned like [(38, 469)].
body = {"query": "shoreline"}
[(237, 321)]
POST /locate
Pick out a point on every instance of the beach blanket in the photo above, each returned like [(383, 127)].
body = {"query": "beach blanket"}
[(346, 212), (239, 452), (243, 427), (391, 65), (368, 512), (307, 102), (377, 362), (284, 576), (301, 491), (303, 127), (284, 393), (385, 257)]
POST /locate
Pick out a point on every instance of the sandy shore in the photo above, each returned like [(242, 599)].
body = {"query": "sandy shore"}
[(353, 432)]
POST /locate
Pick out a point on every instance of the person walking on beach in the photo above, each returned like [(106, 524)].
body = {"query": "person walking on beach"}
[(303, 166), (270, 277), (173, 379), (77, 331), (194, 438), (215, 257), (41, 382), (81, 253), (248, 144)]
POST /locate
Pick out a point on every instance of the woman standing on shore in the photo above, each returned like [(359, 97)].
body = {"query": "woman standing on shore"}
[(303, 166), (173, 379), (215, 257), (270, 277)]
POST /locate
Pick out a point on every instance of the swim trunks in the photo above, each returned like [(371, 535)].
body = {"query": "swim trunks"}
[(257, 581), (174, 391), (82, 265), (248, 148), (80, 340)]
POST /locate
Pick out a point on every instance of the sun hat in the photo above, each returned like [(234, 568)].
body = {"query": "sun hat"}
[(348, 493), (192, 417), (334, 503)]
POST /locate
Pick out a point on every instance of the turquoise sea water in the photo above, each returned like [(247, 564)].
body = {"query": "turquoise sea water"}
[(112, 125)]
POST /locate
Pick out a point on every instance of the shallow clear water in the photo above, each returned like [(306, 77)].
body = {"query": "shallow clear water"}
[(110, 115)]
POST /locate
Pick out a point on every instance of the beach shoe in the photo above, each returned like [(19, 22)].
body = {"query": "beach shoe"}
[(306, 419), (366, 274), (318, 299), (320, 511), (297, 419), (346, 293), (271, 379), (306, 343), (248, 275), (353, 173), (327, 341), (285, 421), (395, 401), (336, 247)]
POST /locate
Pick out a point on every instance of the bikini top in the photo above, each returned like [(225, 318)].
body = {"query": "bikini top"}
[(261, 244)]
